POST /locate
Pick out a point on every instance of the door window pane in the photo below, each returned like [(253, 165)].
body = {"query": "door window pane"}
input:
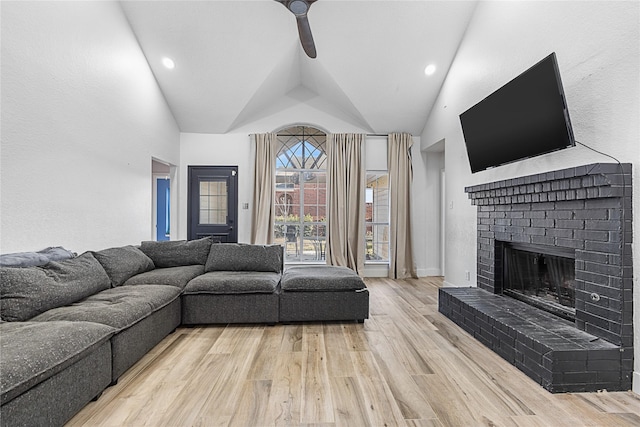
[(213, 202)]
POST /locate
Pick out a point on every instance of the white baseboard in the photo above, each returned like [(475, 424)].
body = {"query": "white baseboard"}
[(635, 384), (428, 272), (382, 270), (373, 270)]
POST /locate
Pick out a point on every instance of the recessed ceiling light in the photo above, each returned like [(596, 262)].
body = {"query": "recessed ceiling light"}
[(168, 62), (430, 69)]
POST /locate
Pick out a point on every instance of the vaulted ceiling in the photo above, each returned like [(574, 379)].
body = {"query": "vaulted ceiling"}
[(237, 61)]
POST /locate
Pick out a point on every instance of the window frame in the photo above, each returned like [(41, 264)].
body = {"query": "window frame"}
[(376, 223), (309, 237)]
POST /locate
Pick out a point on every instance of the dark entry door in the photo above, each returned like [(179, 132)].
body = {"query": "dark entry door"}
[(213, 203)]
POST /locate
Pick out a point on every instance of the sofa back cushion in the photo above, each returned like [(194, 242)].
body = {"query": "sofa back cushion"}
[(176, 253), (123, 263), (244, 257), (27, 292)]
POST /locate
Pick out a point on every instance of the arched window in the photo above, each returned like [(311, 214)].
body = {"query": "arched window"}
[(301, 193)]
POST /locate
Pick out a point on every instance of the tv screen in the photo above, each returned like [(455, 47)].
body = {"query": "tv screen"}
[(526, 117)]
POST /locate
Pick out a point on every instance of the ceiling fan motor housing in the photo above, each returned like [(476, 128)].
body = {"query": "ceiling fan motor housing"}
[(298, 7)]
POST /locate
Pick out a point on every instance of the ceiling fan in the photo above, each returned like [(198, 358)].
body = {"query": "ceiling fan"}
[(300, 8)]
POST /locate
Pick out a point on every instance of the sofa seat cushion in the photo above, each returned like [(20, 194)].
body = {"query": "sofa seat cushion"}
[(175, 253), (172, 276), (320, 278), (234, 282), (119, 307), (244, 257), (35, 351), (123, 262), (27, 292)]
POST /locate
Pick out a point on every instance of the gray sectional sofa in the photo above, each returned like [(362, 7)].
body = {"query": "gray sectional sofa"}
[(70, 326)]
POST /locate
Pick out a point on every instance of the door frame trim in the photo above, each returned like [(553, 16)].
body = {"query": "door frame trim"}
[(234, 196)]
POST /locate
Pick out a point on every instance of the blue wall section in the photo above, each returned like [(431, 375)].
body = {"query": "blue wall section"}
[(163, 206)]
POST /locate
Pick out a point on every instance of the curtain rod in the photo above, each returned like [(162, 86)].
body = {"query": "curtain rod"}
[(366, 134)]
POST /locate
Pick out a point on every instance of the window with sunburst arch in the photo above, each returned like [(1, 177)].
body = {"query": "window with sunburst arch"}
[(301, 193)]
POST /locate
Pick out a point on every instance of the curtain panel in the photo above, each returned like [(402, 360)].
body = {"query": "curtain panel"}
[(264, 185), (401, 263), (345, 201)]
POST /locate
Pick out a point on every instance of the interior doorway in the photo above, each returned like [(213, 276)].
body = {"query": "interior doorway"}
[(161, 200), (443, 216)]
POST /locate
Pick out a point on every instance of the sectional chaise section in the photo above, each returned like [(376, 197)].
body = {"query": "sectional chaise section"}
[(73, 326), (51, 370)]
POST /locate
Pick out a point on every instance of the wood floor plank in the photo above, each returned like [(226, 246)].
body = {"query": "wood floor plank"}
[(380, 404), (224, 399), (472, 377), (591, 414), (196, 396), (262, 366), (285, 398), (408, 396), (354, 335), (348, 403), (407, 365), (317, 405), (405, 348), (424, 423), (540, 402), (613, 402), (527, 421), (449, 405), (253, 403), (339, 361), (231, 336), (292, 338)]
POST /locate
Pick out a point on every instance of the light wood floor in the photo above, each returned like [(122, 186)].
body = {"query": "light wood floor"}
[(405, 366)]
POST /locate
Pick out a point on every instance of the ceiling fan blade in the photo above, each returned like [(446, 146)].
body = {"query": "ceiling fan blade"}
[(306, 38), (300, 8)]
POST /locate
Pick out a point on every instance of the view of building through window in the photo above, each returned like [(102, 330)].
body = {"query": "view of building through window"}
[(301, 194), (377, 217)]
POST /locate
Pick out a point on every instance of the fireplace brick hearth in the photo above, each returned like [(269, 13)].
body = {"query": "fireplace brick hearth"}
[(586, 209)]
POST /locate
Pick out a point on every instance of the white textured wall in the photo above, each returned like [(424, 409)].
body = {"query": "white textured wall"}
[(597, 46), (82, 116)]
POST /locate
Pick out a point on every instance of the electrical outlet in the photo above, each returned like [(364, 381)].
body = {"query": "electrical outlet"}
[(245, 206), (467, 275)]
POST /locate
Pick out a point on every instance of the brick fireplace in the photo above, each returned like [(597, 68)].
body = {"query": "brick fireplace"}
[(584, 211)]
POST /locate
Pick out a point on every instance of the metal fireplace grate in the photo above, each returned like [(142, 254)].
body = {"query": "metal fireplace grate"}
[(543, 277)]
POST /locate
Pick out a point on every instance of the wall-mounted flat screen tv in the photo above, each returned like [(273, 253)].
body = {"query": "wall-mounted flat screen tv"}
[(526, 117)]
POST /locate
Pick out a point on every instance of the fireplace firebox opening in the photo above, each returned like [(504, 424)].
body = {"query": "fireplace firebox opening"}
[(541, 276)]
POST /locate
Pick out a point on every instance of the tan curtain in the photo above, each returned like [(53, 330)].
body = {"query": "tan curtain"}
[(345, 201), (264, 184), (401, 264)]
